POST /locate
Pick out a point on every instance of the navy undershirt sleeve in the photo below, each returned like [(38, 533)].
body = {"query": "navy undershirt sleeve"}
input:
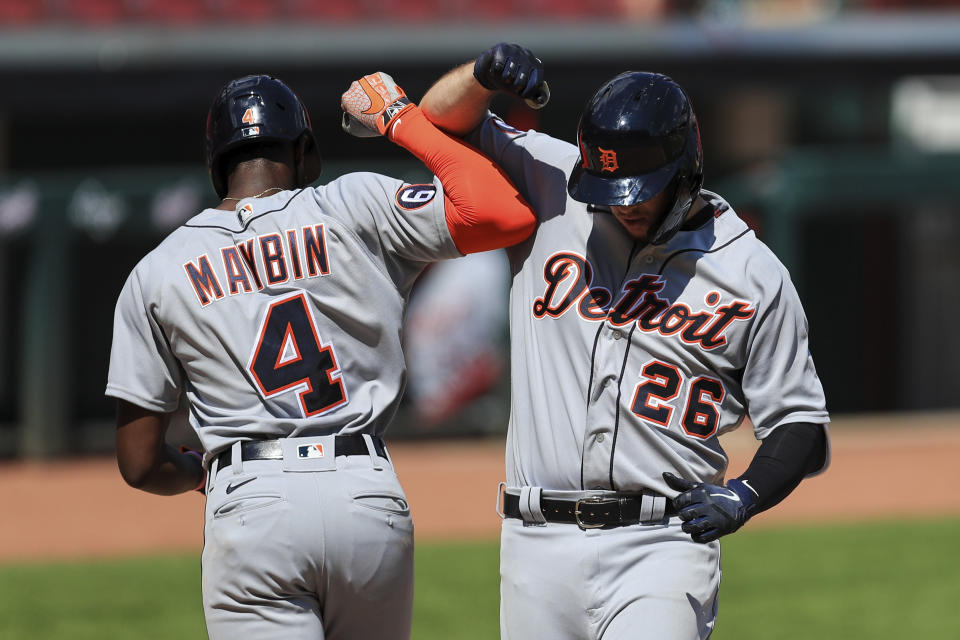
[(789, 453)]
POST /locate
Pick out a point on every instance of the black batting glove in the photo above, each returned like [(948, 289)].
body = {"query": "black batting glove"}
[(512, 69), (709, 511)]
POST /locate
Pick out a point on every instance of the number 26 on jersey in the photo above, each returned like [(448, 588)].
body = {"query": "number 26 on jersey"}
[(662, 382)]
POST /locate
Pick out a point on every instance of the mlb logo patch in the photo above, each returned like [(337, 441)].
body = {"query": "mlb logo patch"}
[(244, 213), (310, 451)]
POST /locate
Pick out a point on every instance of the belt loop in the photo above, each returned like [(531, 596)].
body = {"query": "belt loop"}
[(386, 452), (213, 470), (374, 458), (500, 497), (660, 507), (652, 507), (530, 506), (236, 454)]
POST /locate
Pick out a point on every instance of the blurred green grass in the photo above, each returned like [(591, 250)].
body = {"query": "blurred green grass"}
[(873, 580), (867, 581)]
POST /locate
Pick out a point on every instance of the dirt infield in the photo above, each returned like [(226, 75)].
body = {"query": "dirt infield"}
[(882, 467)]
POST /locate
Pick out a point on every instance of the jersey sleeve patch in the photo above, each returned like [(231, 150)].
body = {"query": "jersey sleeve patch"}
[(415, 196)]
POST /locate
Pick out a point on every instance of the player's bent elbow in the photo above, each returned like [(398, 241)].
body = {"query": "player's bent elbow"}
[(135, 474), (489, 240), (139, 437), (454, 124), (138, 466), (473, 236)]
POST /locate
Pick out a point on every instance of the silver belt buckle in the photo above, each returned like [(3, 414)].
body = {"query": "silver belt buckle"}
[(590, 500)]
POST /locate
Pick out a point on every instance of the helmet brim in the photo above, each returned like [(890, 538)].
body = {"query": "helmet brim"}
[(591, 188)]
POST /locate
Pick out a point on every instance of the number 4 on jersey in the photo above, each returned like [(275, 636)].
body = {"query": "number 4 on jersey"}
[(289, 356)]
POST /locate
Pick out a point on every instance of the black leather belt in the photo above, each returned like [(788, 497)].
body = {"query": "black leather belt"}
[(588, 513), (347, 445)]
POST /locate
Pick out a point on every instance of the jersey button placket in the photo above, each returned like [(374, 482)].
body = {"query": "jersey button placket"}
[(602, 409)]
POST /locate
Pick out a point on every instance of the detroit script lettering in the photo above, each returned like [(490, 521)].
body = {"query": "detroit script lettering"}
[(569, 277)]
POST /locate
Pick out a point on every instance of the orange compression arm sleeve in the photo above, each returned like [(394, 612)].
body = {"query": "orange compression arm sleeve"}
[(484, 210)]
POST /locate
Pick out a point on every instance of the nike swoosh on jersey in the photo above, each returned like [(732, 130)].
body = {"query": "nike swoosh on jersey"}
[(233, 487)]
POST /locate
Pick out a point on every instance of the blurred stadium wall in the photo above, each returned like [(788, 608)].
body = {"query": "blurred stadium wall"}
[(833, 126)]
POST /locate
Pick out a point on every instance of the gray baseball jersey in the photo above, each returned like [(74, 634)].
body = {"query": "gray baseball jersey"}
[(629, 361), (283, 319)]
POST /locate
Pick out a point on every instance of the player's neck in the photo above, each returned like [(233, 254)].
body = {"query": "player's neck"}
[(234, 196), (256, 179), (229, 202)]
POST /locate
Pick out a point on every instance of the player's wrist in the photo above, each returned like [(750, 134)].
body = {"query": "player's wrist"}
[(197, 458), (747, 495), (394, 114), (480, 73), (201, 485)]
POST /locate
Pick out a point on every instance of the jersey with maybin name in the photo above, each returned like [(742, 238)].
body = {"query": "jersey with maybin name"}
[(283, 318), (630, 359)]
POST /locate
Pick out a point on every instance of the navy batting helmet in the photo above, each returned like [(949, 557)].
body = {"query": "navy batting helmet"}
[(256, 109), (637, 137)]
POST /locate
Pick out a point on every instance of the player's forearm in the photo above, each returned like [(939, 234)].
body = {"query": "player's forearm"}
[(170, 474), (145, 460), (484, 209), (457, 103), (788, 454)]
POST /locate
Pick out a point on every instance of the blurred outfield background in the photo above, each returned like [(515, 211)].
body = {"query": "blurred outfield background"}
[(833, 126)]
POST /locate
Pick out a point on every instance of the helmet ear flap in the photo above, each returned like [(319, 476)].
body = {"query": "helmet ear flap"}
[(686, 185), (681, 201)]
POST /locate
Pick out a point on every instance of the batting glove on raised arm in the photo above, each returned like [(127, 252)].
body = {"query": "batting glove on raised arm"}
[(513, 69), (372, 104), (709, 511)]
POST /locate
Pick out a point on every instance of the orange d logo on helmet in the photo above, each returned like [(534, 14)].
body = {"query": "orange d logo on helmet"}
[(608, 159)]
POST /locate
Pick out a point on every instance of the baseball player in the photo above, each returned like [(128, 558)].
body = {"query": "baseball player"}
[(278, 314), (646, 319)]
